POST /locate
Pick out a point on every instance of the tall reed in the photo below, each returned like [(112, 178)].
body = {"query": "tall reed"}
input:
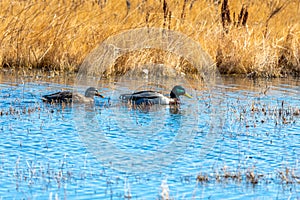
[(256, 38)]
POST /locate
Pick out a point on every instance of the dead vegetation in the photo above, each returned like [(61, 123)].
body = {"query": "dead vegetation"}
[(250, 176), (257, 38), (152, 58)]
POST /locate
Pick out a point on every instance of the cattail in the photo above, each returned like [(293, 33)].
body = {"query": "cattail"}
[(225, 15), (243, 16), (183, 9), (170, 17), (128, 5), (166, 10), (147, 18)]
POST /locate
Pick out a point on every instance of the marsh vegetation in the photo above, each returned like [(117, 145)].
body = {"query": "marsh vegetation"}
[(256, 38)]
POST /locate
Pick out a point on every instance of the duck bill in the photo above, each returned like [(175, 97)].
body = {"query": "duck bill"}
[(99, 95), (187, 95)]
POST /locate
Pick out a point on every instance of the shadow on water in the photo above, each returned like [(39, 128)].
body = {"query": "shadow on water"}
[(44, 154)]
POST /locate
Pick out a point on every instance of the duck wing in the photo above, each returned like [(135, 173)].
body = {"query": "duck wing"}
[(141, 95), (145, 97), (65, 96)]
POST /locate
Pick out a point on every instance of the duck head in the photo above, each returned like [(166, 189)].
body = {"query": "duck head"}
[(91, 92), (177, 91)]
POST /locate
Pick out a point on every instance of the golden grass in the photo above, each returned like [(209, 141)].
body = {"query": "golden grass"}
[(58, 34)]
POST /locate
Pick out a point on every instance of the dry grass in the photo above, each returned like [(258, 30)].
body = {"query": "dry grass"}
[(257, 38)]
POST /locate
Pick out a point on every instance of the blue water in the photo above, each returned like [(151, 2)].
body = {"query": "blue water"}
[(112, 152)]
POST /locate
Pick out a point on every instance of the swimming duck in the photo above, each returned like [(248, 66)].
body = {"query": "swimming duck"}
[(68, 96), (150, 97)]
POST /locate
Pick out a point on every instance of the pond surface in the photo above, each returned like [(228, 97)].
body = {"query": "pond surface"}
[(46, 154)]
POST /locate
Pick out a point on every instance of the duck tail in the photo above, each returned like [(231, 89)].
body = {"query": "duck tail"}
[(45, 98)]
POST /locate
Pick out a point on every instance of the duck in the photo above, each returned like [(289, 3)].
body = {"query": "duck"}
[(150, 97), (68, 96)]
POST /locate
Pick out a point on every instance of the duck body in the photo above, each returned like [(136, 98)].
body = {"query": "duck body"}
[(149, 97), (70, 97)]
